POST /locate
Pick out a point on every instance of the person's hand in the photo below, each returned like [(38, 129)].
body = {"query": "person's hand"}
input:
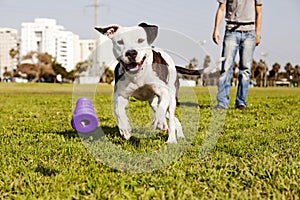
[(258, 38), (216, 37)]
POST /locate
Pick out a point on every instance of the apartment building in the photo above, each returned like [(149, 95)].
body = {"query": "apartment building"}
[(45, 36), (86, 48), (9, 41)]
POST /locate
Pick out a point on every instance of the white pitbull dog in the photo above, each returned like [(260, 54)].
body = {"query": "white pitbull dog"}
[(145, 73)]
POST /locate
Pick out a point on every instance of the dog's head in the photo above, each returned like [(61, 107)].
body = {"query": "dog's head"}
[(131, 45)]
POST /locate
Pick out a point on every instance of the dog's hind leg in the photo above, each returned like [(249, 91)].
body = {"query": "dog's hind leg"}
[(122, 119), (178, 126), (154, 104)]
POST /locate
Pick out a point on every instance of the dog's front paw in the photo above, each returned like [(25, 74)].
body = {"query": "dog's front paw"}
[(161, 124), (125, 133), (171, 141)]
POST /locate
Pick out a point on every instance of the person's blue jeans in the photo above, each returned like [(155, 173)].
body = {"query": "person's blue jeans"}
[(244, 43)]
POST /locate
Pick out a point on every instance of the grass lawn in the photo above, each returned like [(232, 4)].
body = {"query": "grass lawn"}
[(257, 155)]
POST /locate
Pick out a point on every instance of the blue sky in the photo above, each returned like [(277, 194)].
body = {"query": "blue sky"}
[(193, 18)]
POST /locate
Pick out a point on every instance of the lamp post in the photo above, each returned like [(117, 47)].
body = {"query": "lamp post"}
[(264, 56), (96, 71)]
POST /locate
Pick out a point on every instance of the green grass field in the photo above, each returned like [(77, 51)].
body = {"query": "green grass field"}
[(257, 155)]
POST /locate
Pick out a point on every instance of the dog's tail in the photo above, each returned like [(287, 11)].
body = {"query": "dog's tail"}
[(207, 70), (186, 71)]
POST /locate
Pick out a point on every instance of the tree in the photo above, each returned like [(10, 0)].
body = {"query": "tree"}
[(207, 61), (289, 70), (297, 72), (59, 69), (107, 76), (6, 75), (82, 67), (273, 74), (13, 53), (39, 66), (193, 64), (260, 73)]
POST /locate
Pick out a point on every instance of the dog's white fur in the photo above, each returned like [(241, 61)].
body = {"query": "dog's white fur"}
[(135, 77)]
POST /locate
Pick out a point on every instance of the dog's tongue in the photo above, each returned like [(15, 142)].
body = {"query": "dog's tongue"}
[(132, 67)]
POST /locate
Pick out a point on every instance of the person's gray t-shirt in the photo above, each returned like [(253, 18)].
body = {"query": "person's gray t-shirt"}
[(240, 14)]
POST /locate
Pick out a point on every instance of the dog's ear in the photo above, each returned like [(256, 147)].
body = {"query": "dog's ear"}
[(151, 31), (109, 31)]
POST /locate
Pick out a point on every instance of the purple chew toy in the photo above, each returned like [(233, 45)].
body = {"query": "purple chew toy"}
[(84, 119)]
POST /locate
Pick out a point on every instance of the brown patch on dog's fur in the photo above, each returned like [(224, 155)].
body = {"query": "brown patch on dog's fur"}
[(144, 93), (160, 66)]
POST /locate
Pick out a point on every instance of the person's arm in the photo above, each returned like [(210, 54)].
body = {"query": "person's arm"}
[(218, 19), (258, 21)]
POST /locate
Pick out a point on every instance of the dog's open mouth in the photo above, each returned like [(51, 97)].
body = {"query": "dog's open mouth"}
[(133, 66)]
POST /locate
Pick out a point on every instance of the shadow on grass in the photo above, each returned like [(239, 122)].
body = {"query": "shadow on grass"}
[(109, 132), (69, 134), (96, 134), (46, 171), (192, 104), (112, 133), (188, 104)]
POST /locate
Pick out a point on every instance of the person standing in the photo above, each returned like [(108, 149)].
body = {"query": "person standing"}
[(242, 34)]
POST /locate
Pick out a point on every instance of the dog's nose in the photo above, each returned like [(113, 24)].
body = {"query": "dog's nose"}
[(131, 53)]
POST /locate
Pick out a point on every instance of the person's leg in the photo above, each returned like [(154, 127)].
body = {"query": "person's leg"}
[(230, 47), (246, 52)]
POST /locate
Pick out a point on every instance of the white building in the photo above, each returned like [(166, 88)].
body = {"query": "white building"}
[(67, 50), (86, 49), (99, 54), (104, 52), (45, 36), (8, 40)]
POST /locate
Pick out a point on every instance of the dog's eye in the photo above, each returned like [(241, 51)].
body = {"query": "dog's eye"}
[(141, 40), (120, 42)]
